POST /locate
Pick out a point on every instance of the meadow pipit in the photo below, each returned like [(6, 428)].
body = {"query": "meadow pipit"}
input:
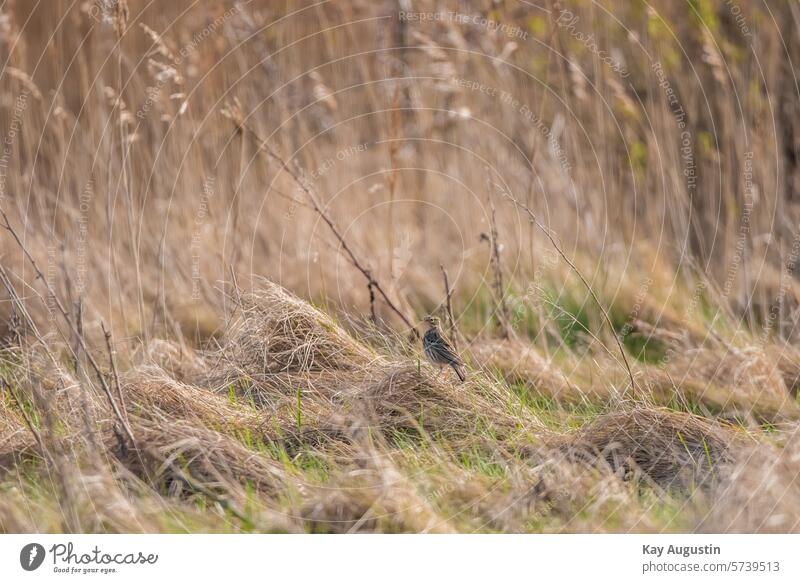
[(438, 349)]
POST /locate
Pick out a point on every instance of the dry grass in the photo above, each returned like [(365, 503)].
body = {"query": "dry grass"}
[(230, 191), (371, 443)]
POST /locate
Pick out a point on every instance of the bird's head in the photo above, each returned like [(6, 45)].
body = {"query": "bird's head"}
[(432, 321)]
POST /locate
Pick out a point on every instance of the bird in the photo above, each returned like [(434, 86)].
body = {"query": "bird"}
[(438, 350)]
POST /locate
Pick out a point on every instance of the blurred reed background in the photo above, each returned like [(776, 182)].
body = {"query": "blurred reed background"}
[(656, 141)]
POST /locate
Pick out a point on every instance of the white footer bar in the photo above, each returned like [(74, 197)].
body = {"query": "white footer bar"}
[(356, 558)]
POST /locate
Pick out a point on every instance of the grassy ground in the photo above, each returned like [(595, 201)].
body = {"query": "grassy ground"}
[(223, 225), (293, 424)]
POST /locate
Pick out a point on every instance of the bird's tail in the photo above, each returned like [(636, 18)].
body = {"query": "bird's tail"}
[(461, 375)]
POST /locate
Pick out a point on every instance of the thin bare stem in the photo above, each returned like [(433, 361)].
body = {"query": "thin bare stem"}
[(497, 269), (448, 296), (76, 349), (113, 364), (535, 220)]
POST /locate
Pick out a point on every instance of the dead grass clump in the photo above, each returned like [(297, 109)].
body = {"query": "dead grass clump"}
[(278, 333), (276, 422), (407, 397), (741, 382), (188, 458), (671, 450), (326, 407), (151, 391)]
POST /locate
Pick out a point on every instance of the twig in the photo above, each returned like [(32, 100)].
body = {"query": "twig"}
[(372, 302), (113, 363), (76, 349), (534, 219), (497, 269), (448, 294), (234, 114), (237, 303), (68, 319), (394, 150)]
